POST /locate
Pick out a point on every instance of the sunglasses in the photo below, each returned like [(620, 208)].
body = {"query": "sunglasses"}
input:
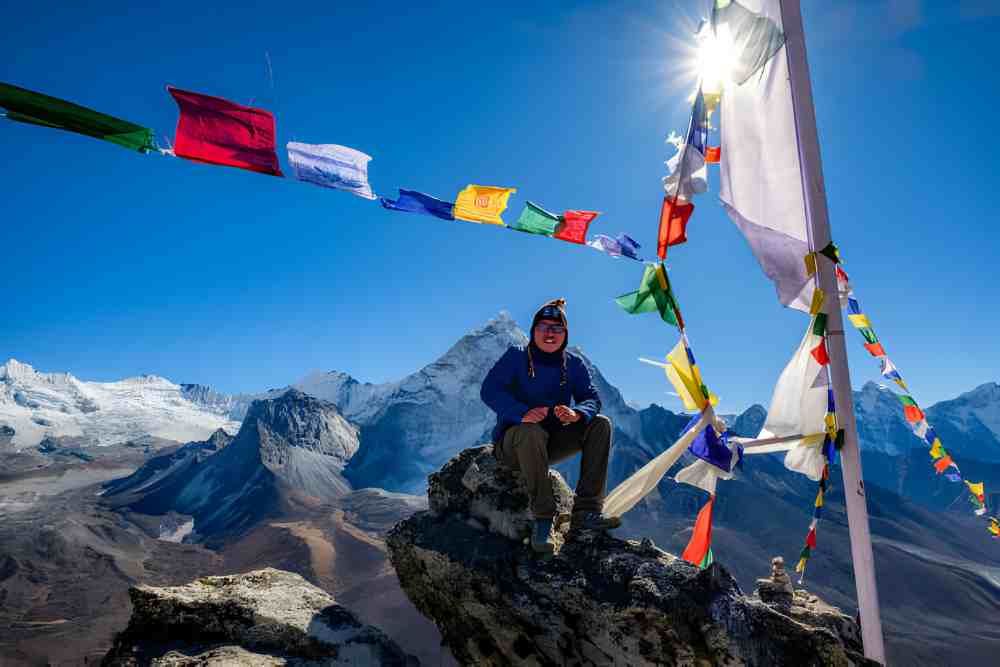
[(552, 328)]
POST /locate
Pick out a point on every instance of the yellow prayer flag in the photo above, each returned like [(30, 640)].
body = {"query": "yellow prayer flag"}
[(686, 380), (937, 450), (995, 527), (819, 499), (817, 302), (711, 101), (976, 489), (810, 263), (482, 203), (801, 566), (860, 321)]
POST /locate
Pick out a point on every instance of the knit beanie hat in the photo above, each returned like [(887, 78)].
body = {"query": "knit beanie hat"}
[(552, 310)]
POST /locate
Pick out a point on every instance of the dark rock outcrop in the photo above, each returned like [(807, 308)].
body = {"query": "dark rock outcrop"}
[(598, 601), (266, 617)]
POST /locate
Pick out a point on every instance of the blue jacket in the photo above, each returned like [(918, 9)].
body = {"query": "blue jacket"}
[(510, 391)]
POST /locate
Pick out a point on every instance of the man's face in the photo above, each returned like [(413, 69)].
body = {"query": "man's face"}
[(549, 335)]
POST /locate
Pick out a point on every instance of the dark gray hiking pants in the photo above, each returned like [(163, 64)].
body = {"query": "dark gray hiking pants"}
[(530, 448)]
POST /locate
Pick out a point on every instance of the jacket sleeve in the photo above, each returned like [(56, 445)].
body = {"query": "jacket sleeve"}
[(585, 397), (496, 390)]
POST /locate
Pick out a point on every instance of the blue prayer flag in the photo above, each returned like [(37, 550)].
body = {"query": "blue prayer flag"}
[(412, 201), (709, 446), (853, 305), (622, 246), (629, 246), (698, 135)]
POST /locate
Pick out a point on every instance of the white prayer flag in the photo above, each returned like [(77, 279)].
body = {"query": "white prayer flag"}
[(691, 178), (761, 183), (331, 166), (799, 406)]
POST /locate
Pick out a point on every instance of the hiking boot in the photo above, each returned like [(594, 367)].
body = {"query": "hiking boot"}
[(593, 521), (541, 537)]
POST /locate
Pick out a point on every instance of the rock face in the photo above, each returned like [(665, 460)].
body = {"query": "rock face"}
[(266, 617), (597, 601)]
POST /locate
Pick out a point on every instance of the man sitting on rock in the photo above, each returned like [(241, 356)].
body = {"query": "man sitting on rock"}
[(531, 389)]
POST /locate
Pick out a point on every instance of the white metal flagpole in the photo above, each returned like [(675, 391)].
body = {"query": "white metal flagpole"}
[(814, 193)]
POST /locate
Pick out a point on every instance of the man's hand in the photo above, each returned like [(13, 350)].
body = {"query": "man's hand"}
[(566, 414), (535, 415)]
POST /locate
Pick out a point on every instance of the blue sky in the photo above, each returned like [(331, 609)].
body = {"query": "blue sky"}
[(116, 264)]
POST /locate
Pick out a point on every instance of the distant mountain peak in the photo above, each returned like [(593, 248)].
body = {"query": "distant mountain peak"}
[(40, 405), (14, 369), (984, 393)]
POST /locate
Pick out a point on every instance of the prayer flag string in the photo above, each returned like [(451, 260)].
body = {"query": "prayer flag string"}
[(943, 462)]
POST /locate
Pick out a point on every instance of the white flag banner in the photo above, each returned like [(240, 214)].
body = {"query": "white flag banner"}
[(761, 183), (627, 495), (331, 166), (799, 406)]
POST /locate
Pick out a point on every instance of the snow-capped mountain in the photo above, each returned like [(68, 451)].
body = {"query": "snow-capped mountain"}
[(881, 426), (292, 446), (970, 424), (411, 427), (39, 405)]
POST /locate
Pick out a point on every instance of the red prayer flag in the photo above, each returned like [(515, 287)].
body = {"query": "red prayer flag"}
[(573, 226), (217, 131), (811, 538), (674, 216), (713, 154), (942, 464), (875, 349), (820, 354), (701, 537), (914, 414)]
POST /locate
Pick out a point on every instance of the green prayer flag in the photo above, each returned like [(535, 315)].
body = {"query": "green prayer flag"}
[(707, 560), (831, 252), (27, 106), (819, 325), (806, 552), (653, 295), (869, 335), (907, 401), (536, 220)]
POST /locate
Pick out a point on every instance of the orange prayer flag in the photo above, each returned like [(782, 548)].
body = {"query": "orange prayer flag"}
[(942, 464), (701, 537)]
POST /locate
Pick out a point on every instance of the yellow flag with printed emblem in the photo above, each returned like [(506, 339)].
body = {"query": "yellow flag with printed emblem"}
[(482, 203)]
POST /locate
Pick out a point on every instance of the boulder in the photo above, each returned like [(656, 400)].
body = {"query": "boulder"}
[(597, 601), (265, 617)]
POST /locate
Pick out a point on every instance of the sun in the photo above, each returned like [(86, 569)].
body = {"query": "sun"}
[(716, 56)]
